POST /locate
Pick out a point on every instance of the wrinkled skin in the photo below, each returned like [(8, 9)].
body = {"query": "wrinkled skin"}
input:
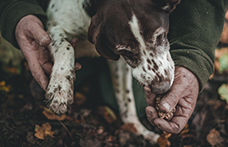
[(183, 95), (33, 41)]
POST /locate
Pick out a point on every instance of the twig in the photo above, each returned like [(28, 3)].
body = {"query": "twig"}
[(66, 130)]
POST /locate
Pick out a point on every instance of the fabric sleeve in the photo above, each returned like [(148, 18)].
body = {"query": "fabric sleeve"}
[(11, 11), (195, 29)]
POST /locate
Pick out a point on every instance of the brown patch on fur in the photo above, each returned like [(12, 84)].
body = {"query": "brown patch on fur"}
[(155, 66)]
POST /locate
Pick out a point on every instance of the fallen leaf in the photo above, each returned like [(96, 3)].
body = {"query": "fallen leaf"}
[(109, 115), (4, 87), (51, 115), (79, 98), (214, 137), (39, 132), (185, 130), (11, 69), (223, 61), (47, 129), (223, 92), (220, 51), (163, 140), (129, 127), (43, 131)]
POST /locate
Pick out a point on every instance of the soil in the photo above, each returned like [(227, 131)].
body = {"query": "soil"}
[(86, 125)]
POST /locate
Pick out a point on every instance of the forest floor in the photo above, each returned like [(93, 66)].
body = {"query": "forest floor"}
[(24, 120)]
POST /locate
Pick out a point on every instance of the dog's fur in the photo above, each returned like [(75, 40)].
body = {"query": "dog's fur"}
[(130, 31)]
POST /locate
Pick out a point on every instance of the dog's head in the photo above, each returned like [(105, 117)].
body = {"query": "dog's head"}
[(136, 30)]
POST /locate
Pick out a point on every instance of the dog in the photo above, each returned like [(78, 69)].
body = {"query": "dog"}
[(132, 34)]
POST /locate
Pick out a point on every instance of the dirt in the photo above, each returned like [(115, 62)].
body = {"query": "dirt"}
[(86, 125)]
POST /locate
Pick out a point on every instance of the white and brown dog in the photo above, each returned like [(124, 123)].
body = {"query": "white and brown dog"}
[(133, 32)]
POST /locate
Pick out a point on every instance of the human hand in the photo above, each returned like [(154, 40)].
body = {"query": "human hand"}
[(33, 41), (183, 95)]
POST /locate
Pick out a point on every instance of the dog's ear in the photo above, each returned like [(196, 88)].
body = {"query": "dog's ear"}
[(169, 5), (97, 37)]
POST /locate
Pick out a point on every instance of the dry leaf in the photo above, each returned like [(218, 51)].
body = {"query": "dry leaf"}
[(51, 115), (129, 127), (220, 51), (39, 132), (223, 61), (214, 137), (223, 92), (43, 131), (11, 70), (79, 98), (163, 140), (109, 115), (4, 87), (185, 130)]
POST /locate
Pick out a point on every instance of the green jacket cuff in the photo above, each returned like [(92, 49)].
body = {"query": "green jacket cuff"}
[(12, 15), (196, 61)]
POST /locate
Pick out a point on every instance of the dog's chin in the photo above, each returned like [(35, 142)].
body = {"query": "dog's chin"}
[(158, 87), (160, 90)]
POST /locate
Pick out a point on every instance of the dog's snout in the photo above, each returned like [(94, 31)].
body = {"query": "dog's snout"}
[(160, 87)]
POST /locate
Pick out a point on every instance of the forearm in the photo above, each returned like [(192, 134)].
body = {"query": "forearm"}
[(195, 30), (11, 11)]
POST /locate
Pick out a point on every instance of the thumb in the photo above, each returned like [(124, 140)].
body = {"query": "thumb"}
[(41, 36), (37, 32), (169, 101)]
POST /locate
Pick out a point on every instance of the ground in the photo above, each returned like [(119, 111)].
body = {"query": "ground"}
[(24, 120)]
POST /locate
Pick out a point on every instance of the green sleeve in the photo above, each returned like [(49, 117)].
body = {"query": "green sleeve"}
[(195, 29), (11, 11)]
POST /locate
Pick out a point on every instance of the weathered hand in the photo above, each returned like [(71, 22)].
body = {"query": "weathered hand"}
[(183, 95), (33, 41)]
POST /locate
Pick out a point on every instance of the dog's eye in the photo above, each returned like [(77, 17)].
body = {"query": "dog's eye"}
[(159, 37)]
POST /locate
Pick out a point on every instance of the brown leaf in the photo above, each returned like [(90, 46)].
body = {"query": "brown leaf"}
[(47, 129), (129, 127), (4, 87), (221, 51), (79, 98), (39, 132), (214, 137), (163, 140), (43, 131), (185, 130), (109, 115), (51, 115)]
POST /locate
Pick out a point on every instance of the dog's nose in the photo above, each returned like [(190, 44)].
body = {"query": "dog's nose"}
[(160, 87)]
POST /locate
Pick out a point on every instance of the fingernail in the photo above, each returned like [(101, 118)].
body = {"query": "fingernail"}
[(167, 106), (44, 41)]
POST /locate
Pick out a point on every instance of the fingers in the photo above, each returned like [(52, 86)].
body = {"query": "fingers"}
[(151, 114), (150, 97), (44, 59), (36, 69), (77, 66), (74, 42), (33, 39), (39, 34), (174, 126), (181, 88)]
